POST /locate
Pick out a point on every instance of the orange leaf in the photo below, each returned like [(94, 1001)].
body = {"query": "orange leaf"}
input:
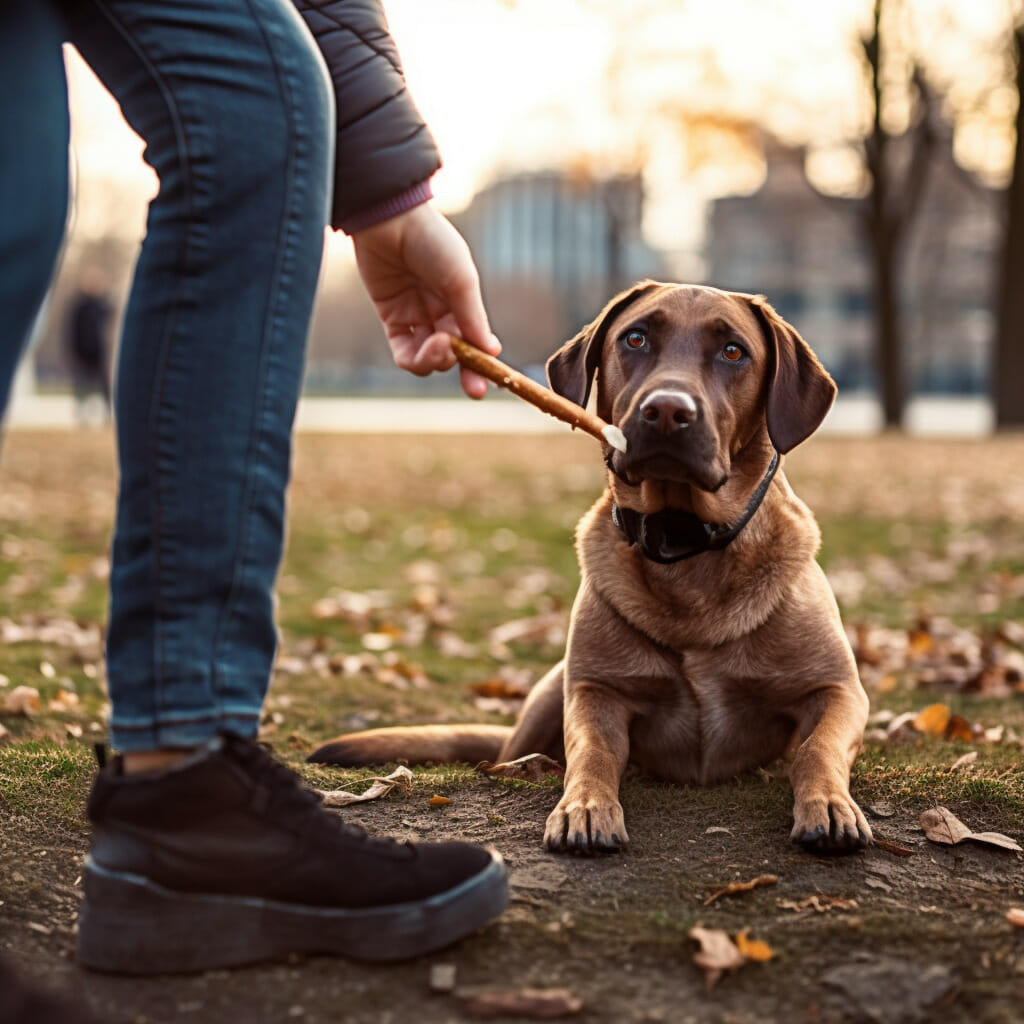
[(753, 949), (438, 801), (498, 687), (933, 720), (735, 887), (921, 642), (958, 728), (887, 682)]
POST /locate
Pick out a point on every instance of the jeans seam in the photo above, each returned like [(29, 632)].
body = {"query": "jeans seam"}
[(273, 305), (166, 344)]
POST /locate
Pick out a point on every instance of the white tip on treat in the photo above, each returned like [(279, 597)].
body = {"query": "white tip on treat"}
[(615, 437)]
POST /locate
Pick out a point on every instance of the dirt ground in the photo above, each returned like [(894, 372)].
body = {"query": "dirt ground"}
[(881, 936), (926, 939)]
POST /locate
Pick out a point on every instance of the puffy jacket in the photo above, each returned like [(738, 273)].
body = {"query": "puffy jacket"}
[(385, 152)]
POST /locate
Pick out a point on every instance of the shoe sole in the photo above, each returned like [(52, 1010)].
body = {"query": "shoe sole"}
[(129, 925)]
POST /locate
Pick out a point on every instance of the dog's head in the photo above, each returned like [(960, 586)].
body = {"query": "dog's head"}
[(691, 375)]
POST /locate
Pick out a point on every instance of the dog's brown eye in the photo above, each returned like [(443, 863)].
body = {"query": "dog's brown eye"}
[(636, 339), (732, 352)]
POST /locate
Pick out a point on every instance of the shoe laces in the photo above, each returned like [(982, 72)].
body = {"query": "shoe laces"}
[(289, 792)]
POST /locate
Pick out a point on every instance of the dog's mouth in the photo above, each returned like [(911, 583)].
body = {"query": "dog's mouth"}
[(670, 463)]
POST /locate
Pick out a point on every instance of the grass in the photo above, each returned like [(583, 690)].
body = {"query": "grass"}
[(455, 537)]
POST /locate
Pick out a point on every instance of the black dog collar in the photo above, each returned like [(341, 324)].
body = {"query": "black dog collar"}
[(671, 535)]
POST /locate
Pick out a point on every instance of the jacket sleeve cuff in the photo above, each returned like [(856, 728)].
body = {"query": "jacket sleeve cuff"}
[(392, 207)]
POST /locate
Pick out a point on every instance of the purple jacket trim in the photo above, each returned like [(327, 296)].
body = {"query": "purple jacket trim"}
[(392, 207)]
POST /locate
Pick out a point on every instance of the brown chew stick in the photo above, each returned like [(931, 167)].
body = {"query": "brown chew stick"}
[(536, 394)]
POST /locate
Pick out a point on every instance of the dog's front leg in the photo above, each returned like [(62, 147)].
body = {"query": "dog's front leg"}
[(825, 817), (588, 818)]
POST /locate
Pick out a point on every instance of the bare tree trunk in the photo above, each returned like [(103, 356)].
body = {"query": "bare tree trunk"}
[(888, 335), (888, 214), (1008, 357)]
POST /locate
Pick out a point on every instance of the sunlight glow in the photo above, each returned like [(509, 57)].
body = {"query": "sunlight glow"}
[(510, 86)]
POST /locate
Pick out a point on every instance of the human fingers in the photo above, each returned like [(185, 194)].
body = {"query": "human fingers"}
[(435, 354)]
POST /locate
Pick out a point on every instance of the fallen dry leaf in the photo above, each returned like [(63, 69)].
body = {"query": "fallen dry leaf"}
[(940, 653), (547, 628), (442, 977), (753, 949), (942, 826), (530, 767), (890, 847), (818, 903), (536, 1003), (66, 700), (1015, 915), (378, 641), (400, 777), (498, 705), (933, 720), (717, 954), (451, 645), (958, 728), (920, 642), (500, 687), (290, 666), (735, 887), (22, 700), (964, 762), (438, 801), (1012, 632)]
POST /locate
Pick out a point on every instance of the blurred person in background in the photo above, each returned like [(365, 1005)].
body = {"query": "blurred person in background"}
[(205, 851), (86, 344)]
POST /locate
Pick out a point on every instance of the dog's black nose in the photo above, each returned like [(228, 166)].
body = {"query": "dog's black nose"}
[(668, 411)]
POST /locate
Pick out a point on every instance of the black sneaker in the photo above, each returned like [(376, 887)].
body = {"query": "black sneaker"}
[(227, 859)]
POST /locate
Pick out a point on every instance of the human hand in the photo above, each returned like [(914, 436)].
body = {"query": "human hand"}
[(421, 277)]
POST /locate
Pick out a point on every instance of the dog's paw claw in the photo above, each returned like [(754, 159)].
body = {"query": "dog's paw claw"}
[(576, 828), (813, 837), (846, 831), (834, 841)]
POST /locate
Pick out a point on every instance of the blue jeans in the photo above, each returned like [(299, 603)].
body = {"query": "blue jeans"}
[(235, 107)]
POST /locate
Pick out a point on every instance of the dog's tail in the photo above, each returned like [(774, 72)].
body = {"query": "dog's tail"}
[(442, 744)]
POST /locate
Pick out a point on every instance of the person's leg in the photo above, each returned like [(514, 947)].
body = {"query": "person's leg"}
[(235, 109), (33, 169), (218, 856)]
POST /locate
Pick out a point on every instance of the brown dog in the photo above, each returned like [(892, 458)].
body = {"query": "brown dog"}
[(704, 640)]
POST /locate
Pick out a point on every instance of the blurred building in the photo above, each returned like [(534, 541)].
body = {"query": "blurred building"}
[(552, 248), (806, 252)]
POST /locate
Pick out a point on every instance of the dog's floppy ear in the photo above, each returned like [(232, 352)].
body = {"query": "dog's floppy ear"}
[(571, 369), (800, 390)]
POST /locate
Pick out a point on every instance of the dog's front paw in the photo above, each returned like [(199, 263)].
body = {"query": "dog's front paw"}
[(586, 826), (830, 824)]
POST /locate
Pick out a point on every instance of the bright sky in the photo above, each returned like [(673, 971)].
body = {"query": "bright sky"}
[(514, 84)]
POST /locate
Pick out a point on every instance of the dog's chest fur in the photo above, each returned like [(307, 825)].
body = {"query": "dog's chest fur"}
[(702, 713), (707, 727)]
